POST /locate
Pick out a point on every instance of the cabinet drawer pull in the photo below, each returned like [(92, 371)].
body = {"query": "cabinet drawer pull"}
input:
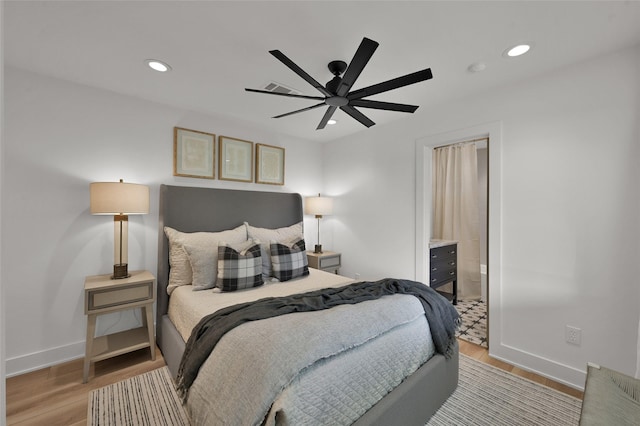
[(434, 256), (434, 269), (452, 273), (452, 263), (452, 252), (433, 280)]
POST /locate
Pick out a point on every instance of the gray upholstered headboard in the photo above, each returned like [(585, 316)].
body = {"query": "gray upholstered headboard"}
[(190, 209)]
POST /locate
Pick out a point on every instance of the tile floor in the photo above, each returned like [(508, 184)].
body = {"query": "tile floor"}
[(474, 321)]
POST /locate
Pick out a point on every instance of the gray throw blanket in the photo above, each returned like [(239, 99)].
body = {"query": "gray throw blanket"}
[(442, 317)]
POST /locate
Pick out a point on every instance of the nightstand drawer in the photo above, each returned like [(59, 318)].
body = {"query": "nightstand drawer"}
[(328, 262), (100, 299)]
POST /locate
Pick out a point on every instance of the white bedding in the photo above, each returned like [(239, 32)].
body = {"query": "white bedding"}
[(187, 307)]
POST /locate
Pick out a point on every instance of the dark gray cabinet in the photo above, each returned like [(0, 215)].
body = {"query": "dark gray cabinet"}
[(444, 269)]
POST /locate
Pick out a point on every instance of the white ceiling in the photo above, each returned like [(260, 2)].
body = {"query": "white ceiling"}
[(216, 49)]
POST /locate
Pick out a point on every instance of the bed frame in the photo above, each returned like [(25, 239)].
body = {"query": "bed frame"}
[(191, 209)]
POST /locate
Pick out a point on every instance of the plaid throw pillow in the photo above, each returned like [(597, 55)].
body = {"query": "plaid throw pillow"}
[(289, 260), (239, 269)]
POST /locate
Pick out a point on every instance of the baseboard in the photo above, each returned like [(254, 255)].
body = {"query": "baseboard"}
[(561, 373), (38, 360)]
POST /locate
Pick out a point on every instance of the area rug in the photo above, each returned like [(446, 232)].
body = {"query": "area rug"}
[(149, 399), (474, 321), (490, 396), (485, 396)]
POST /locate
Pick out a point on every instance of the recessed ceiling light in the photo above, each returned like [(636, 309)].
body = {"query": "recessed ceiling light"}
[(332, 122), (158, 65), (517, 50)]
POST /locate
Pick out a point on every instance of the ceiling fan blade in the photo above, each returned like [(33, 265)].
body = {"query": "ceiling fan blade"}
[(357, 115), (394, 83), (357, 64), (387, 106), (289, 63), (300, 110), (317, 98), (325, 118)]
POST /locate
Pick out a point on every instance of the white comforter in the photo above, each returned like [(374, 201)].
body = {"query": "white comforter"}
[(187, 307)]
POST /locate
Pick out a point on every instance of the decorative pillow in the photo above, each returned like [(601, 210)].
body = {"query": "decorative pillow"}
[(280, 235), (180, 272), (289, 260), (239, 267)]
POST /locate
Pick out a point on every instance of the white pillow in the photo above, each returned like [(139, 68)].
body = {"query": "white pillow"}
[(280, 235), (180, 272)]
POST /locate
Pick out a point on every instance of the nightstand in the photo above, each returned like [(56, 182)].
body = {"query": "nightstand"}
[(329, 261), (102, 295)]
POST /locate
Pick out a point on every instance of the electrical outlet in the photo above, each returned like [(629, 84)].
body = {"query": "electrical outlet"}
[(573, 335)]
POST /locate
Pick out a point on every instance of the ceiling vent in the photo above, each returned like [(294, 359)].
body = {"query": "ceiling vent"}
[(272, 86)]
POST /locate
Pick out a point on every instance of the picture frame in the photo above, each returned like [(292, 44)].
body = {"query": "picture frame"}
[(193, 153), (269, 164), (235, 159)]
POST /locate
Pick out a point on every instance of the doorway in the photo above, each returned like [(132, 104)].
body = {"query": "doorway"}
[(424, 184), (459, 214)]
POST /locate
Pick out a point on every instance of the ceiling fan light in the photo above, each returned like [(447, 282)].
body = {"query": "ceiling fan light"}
[(157, 65)]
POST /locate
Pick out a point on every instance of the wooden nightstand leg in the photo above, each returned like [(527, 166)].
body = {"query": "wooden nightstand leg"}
[(149, 320), (88, 352)]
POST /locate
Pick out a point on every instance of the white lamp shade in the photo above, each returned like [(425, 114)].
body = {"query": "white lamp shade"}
[(119, 198), (319, 206)]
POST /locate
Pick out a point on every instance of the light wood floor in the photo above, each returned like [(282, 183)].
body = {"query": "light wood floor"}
[(56, 395)]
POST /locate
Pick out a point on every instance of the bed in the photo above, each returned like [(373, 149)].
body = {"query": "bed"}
[(189, 209)]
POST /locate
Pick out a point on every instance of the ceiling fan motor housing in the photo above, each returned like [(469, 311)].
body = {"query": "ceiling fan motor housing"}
[(336, 68)]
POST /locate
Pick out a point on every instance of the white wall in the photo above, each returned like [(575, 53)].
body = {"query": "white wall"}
[(60, 137), (3, 393), (569, 202)]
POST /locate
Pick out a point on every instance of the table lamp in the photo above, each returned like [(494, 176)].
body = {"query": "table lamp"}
[(119, 199), (318, 206)]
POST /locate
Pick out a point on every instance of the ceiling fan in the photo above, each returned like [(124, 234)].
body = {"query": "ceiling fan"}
[(336, 93)]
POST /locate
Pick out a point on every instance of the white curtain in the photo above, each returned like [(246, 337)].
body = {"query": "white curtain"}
[(456, 215)]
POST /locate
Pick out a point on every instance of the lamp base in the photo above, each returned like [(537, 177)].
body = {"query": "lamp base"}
[(318, 248), (120, 271)]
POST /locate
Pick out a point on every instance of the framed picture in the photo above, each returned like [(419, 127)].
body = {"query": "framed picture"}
[(235, 159), (269, 164), (193, 153)]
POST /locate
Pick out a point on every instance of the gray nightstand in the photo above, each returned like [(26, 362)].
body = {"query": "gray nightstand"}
[(329, 261), (103, 295)]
